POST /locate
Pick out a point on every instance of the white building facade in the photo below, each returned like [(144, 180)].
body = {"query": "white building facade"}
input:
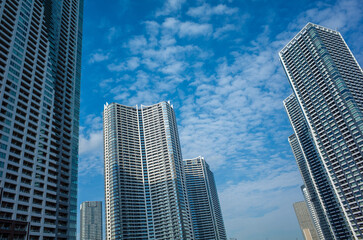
[(91, 220), (203, 199), (145, 191)]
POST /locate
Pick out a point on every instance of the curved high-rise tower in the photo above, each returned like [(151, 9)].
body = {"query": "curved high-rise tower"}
[(146, 196)]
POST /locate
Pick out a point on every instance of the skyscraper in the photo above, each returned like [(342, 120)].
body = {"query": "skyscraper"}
[(205, 209), (91, 220), (320, 191), (314, 215), (146, 196), (327, 82), (305, 221), (40, 63)]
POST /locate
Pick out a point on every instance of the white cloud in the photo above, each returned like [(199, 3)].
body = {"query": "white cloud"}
[(223, 30), (186, 29), (113, 32), (88, 143), (91, 146), (171, 23), (174, 68), (104, 83), (117, 67), (145, 97), (152, 28), (343, 15), (194, 29), (98, 57), (130, 65), (137, 44), (133, 63), (206, 11), (234, 100), (262, 208), (170, 6), (167, 40), (150, 64)]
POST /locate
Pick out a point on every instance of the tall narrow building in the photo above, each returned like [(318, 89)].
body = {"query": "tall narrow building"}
[(327, 83), (40, 64), (314, 215), (320, 191), (205, 209), (305, 221), (91, 220), (146, 196)]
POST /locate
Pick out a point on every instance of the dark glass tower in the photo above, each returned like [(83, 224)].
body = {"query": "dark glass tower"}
[(327, 82), (146, 196), (40, 63), (203, 198)]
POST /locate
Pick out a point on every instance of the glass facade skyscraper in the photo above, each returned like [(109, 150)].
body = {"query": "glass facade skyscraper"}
[(91, 220), (40, 63), (145, 191), (205, 209), (327, 83)]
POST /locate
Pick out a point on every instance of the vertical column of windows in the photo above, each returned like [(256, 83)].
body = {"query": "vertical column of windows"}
[(124, 179), (148, 200)]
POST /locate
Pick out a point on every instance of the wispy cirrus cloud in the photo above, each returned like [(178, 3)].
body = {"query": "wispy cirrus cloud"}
[(161, 53), (129, 65), (342, 15), (187, 29), (222, 31), (137, 44), (267, 204), (113, 32), (170, 6), (98, 57), (243, 94), (206, 11), (91, 146), (194, 29)]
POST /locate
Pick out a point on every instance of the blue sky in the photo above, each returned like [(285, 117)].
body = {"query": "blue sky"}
[(217, 62)]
